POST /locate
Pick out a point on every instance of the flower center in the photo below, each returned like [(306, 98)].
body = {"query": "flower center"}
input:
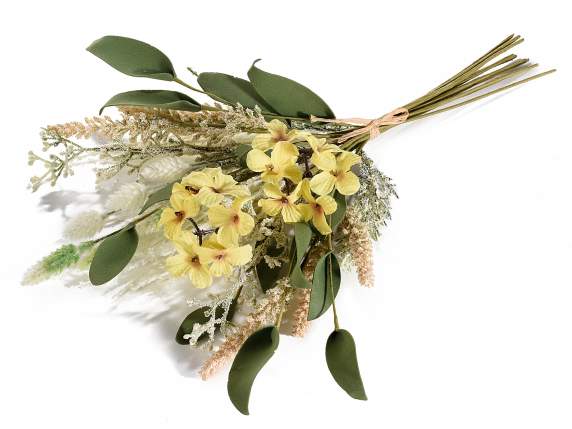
[(236, 219), (284, 201), (180, 215), (219, 256), (191, 189), (318, 209)]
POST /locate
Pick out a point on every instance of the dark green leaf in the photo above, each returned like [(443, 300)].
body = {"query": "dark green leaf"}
[(133, 57), (340, 212), (162, 194), (302, 238), (154, 98), (112, 255), (252, 356), (287, 97), (327, 270), (267, 276), (198, 316), (232, 89), (342, 362)]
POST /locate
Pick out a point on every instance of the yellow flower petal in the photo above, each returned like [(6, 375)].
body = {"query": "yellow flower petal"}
[(305, 191), (347, 183), (327, 203), (239, 255), (319, 221), (346, 160), (256, 160), (209, 198), (220, 267), (196, 179), (219, 215), (227, 235), (324, 161), (290, 213), (272, 191), (245, 223), (263, 142), (306, 211), (177, 265), (270, 206), (284, 153), (278, 130), (191, 206), (292, 172), (200, 277), (322, 183)]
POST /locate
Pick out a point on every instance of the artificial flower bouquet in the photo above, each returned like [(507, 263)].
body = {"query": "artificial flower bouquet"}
[(263, 192)]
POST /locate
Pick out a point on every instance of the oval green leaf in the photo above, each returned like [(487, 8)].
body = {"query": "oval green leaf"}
[(133, 57), (233, 90), (342, 362), (154, 98), (251, 358), (112, 255), (287, 97), (327, 270), (302, 238)]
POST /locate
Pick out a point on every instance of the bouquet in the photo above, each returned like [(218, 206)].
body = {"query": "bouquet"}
[(259, 199)]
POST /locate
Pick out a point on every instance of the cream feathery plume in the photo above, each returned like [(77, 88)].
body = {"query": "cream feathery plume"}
[(267, 311), (360, 247)]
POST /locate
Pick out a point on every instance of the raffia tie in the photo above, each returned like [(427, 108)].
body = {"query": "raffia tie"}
[(371, 126)]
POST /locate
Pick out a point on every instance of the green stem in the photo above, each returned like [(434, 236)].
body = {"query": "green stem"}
[(134, 222), (330, 284)]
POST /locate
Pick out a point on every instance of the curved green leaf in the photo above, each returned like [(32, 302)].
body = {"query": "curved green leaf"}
[(340, 212), (286, 96), (232, 89), (133, 57), (327, 270), (162, 194), (252, 356), (112, 255), (342, 362), (198, 316), (302, 238), (154, 98)]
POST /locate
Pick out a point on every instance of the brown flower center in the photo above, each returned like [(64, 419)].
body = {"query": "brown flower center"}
[(180, 215), (236, 219), (191, 189)]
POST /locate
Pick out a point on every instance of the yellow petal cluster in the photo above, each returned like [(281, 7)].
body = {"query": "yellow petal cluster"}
[(212, 249)]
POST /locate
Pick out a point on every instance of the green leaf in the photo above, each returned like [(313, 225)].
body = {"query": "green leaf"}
[(302, 238), (327, 270), (340, 212), (162, 194), (112, 255), (252, 356), (133, 57), (342, 363), (154, 98), (287, 97), (232, 89), (267, 276), (198, 316)]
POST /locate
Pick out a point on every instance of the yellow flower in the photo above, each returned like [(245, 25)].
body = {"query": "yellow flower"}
[(346, 182), (188, 262), (279, 202), (281, 163), (317, 208), (323, 153), (223, 259), (172, 218), (278, 133), (212, 185), (231, 222)]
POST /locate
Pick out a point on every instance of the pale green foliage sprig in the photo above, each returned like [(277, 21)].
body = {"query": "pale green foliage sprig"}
[(56, 262), (372, 203)]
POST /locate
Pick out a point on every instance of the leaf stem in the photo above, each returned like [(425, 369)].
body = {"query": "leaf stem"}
[(330, 284)]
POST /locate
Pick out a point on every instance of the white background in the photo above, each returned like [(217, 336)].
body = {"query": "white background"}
[(469, 325)]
